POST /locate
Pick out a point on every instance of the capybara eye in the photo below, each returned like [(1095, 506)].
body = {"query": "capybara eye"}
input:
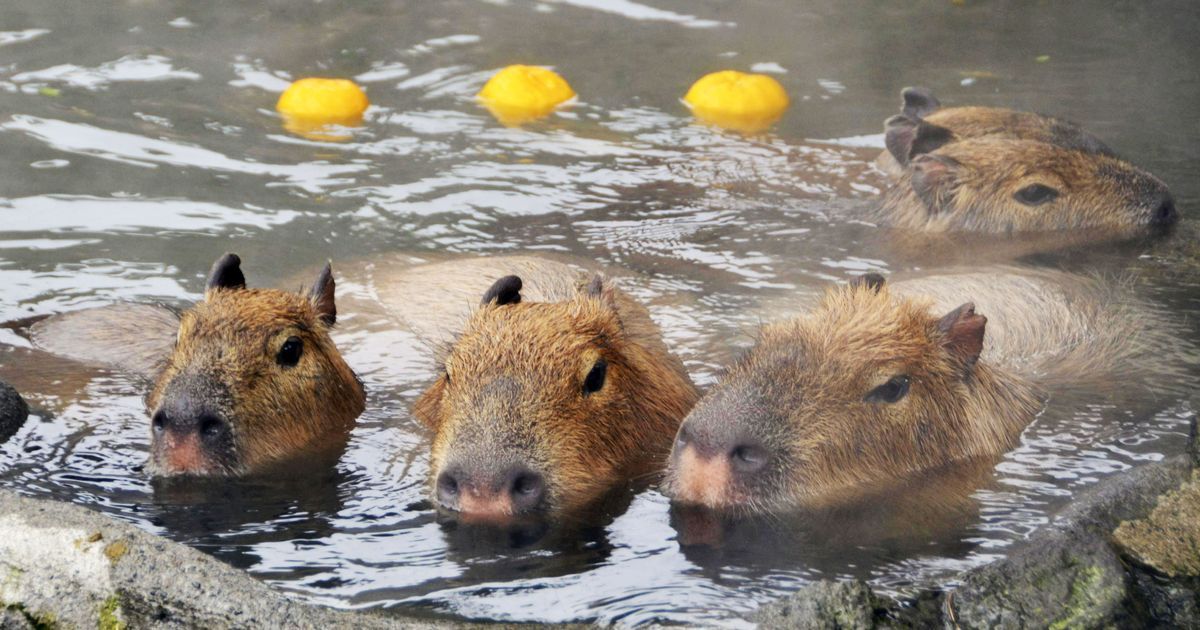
[(1036, 195), (595, 378), (289, 354), (890, 392)]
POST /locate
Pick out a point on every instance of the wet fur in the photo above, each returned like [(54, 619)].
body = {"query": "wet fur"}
[(800, 391), (957, 169), (969, 185), (225, 347), (230, 340), (511, 390)]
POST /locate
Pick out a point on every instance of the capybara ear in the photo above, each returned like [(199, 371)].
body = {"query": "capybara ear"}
[(919, 102), (426, 408), (226, 274), (962, 331), (906, 137), (321, 296), (506, 290), (600, 289), (595, 286), (872, 281), (932, 178)]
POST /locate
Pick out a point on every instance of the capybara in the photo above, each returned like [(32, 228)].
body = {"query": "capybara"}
[(542, 407), (879, 383), (242, 380), (922, 110), (995, 170)]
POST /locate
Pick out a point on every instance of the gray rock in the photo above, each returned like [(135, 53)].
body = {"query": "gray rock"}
[(1060, 579), (14, 619), (1067, 575), (823, 605), (67, 566), (1166, 602), (1168, 539), (1127, 496), (13, 411)]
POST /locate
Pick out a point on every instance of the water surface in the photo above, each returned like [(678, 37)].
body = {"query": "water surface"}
[(139, 143)]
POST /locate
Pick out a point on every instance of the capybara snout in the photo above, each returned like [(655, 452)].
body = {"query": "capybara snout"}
[(494, 490), (543, 407), (191, 430), (721, 461), (253, 378)]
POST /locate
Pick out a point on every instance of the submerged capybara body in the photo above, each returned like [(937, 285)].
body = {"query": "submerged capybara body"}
[(542, 407), (879, 383), (243, 379), (996, 170)]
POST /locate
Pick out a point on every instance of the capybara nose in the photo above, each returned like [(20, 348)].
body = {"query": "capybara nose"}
[(207, 426), (188, 442), (1164, 214), (743, 455), (511, 491)]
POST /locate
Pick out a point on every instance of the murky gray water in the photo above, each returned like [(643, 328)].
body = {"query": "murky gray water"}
[(138, 142)]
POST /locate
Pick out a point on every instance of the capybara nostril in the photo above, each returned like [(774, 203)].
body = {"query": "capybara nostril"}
[(527, 489), (1165, 213), (682, 439), (161, 421), (447, 490), (749, 458), (212, 428)]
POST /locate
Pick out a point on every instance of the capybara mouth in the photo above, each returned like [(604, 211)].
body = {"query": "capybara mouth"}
[(174, 455)]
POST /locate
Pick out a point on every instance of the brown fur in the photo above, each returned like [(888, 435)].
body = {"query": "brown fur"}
[(972, 185), (976, 122), (219, 359), (801, 393), (230, 341), (961, 169), (511, 391), (949, 124)]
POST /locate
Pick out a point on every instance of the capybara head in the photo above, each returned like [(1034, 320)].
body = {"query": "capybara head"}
[(866, 388), (998, 170), (254, 378), (542, 408), (921, 107), (1003, 185)]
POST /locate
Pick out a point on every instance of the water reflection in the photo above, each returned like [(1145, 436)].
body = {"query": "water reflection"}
[(155, 149)]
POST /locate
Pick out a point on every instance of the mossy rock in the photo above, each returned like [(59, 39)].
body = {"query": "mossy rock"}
[(1168, 540), (1060, 579), (823, 605)]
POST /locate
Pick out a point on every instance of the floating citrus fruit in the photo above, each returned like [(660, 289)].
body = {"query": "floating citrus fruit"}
[(737, 100), (311, 106), (518, 94)]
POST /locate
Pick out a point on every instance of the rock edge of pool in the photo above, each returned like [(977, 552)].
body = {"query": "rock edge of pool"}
[(1125, 553)]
